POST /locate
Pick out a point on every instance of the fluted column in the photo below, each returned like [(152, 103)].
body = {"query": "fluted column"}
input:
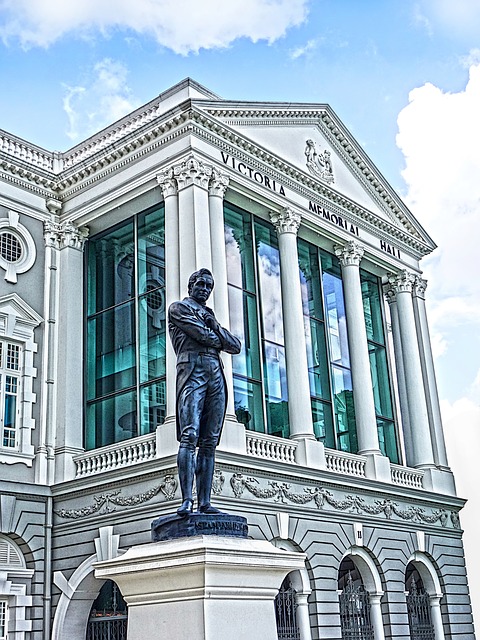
[(286, 223), (350, 256), (192, 178), (402, 389), (216, 192), (426, 358), (422, 453), (168, 185)]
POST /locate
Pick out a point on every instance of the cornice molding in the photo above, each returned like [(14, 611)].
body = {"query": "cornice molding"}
[(325, 119), (100, 161)]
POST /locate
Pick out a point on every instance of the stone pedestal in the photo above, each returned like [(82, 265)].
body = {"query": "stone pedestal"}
[(201, 588)]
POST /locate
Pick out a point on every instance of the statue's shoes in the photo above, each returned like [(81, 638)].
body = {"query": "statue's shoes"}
[(207, 508), (185, 509)]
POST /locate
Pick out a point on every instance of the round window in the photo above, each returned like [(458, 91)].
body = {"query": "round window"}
[(11, 248)]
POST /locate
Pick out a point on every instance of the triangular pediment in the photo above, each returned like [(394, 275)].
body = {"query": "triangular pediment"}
[(313, 140), (13, 305)]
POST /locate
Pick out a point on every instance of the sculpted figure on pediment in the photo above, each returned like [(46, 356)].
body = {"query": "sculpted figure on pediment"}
[(319, 164)]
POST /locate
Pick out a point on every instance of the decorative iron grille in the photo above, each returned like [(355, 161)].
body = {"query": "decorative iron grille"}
[(285, 612), (108, 618), (355, 612), (107, 628), (419, 616)]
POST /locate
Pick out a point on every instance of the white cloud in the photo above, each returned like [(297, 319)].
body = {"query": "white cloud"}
[(105, 98), (184, 26), (439, 136), (304, 50)]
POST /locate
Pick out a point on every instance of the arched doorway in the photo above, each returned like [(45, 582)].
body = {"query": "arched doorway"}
[(286, 612), (355, 607), (418, 606), (108, 616)]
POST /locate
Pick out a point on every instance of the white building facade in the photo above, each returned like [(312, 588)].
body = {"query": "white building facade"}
[(333, 443)]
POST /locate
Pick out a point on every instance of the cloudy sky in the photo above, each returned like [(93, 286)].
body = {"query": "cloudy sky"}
[(403, 75)]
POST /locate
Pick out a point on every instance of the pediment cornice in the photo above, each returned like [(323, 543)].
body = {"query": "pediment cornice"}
[(146, 131)]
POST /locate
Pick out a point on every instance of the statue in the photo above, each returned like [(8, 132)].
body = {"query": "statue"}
[(197, 340)]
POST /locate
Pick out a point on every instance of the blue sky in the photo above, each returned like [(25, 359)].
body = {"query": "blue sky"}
[(403, 75)]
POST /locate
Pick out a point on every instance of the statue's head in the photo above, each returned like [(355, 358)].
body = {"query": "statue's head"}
[(200, 285)]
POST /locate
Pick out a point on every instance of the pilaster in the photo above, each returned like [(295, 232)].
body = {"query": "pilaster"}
[(66, 433), (168, 185)]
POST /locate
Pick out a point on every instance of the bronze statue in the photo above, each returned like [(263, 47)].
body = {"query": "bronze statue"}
[(197, 340)]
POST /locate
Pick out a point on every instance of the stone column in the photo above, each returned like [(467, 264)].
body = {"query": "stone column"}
[(233, 434), (422, 453), (195, 252), (402, 389), (376, 616), (350, 256), (303, 616), (309, 451), (69, 395), (428, 369), (168, 185), (436, 614), (287, 223)]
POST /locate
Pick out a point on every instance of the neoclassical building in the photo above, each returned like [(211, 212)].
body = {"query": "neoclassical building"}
[(333, 441)]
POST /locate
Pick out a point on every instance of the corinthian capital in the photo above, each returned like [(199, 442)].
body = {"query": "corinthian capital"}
[(51, 234), (403, 281), (286, 221), (167, 183), (349, 254), (218, 183), (420, 287), (60, 235), (192, 171)]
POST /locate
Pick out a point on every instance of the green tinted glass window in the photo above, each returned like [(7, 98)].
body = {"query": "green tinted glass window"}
[(125, 330)]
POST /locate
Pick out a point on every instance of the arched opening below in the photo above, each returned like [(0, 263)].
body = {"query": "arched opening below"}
[(418, 606), (108, 615), (355, 607), (286, 611)]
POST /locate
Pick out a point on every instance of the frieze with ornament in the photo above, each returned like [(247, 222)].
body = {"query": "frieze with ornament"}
[(280, 492), (107, 502)]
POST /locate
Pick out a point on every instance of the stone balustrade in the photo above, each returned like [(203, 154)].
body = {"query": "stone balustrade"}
[(259, 445)]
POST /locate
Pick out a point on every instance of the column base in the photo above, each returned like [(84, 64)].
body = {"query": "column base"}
[(201, 588), (439, 481), (310, 453), (377, 467)]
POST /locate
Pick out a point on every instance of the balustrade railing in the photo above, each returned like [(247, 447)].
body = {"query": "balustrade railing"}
[(122, 454), (347, 463), (261, 445)]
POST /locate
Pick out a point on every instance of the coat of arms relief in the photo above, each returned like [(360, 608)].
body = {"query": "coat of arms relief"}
[(319, 163)]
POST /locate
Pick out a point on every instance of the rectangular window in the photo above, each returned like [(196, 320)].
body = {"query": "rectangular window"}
[(125, 330), (10, 368), (382, 393), (3, 620)]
